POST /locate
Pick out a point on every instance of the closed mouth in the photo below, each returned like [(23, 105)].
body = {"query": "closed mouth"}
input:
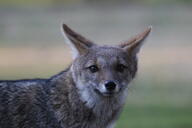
[(106, 94)]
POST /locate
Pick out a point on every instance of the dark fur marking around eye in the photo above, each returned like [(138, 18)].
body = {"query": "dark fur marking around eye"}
[(93, 68), (120, 68)]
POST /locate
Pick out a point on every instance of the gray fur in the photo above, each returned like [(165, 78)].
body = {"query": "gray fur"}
[(69, 99)]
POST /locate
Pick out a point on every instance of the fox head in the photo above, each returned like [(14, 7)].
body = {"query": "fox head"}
[(103, 71)]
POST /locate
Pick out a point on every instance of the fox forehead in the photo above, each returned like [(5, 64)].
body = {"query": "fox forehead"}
[(105, 55), (109, 51)]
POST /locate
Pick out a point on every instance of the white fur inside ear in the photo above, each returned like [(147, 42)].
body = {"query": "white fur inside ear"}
[(75, 52)]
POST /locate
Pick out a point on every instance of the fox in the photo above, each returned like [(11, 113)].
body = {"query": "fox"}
[(90, 93)]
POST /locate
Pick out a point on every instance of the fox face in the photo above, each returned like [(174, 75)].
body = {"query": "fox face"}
[(103, 71)]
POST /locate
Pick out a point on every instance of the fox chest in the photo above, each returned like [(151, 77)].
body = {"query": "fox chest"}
[(102, 124), (106, 119), (103, 119)]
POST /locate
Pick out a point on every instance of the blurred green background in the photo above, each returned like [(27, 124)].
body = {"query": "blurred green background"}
[(31, 45)]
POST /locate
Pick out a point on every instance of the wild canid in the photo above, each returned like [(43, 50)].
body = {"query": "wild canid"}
[(88, 94)]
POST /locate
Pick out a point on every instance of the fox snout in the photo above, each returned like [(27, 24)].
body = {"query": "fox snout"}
[(110, 86)]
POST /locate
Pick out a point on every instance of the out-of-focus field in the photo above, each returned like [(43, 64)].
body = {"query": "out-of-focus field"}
[(31, 45)]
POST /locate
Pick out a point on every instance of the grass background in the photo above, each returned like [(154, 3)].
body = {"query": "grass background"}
[(31, 45)]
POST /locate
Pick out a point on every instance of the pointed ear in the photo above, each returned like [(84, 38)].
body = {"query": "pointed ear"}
[(78, 43), (134, 44)]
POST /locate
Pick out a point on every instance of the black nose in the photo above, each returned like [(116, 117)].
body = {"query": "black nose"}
[(110, 86)]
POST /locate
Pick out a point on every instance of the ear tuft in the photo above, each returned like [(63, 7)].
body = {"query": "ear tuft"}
[(78, 43), (75, 53), (74, 36), (134, 44)]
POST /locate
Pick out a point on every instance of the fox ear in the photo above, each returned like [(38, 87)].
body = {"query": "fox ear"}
[(78, 43), (134, 44)]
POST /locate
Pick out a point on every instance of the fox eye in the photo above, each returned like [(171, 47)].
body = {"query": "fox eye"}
[(120, 67), (93, 68)]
